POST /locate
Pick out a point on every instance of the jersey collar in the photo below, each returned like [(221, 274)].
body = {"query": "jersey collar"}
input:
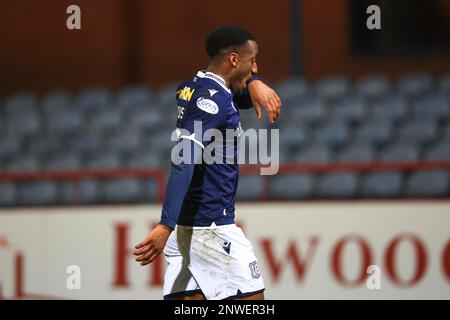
[(212, 76)]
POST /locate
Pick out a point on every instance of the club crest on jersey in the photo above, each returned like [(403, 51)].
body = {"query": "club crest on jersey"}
[(207, 105), (254, 269)]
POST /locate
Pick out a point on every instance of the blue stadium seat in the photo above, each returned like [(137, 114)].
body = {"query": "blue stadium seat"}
[(400, 152), (44, 144), (64, 121), (311, 112), (434, 107), (292, 186), (351, 110), (38, 193), (389, 108), (418, 131), (440, 152), (23, 124), (314, 154), (8, 194), (107, 120), (89, 192), (415, 84), (93, 100), (103, 160), (133, 96), (121, 191), (166, 95), (377, 133), (23, 102), (292, 137), (386, 184), (124, 141), (291, 90), (444, 83), (373, 86), (144, 159), (23, 162), (85, 143), (9, 145), (428, 184), (357, 152), (63, 161), (249, 188), (57, 100), (332, 87), (147, 118), (337, 185), (333, 134)]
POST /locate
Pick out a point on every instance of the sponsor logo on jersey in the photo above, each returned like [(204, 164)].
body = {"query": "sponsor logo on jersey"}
[(185, 93), (207, 105)]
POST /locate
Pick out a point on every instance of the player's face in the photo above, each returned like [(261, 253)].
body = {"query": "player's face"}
[(246, 65)]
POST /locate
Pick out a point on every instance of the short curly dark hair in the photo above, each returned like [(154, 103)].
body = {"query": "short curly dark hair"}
[(226, 37)]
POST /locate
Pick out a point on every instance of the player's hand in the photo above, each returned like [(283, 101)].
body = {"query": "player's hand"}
[(262, 95), (153, 245)]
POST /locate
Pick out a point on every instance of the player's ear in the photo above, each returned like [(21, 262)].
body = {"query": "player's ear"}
[(234, 59)]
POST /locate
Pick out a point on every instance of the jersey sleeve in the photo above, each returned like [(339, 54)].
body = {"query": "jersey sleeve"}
[(204, 111)]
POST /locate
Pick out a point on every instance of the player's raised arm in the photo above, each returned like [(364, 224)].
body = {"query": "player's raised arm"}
[(256, 94)]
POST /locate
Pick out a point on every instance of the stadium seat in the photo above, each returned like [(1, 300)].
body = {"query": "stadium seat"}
[(9, 145), (386, 184), (85, 143), (107, 120), (143, 159), (93, 100), (418, 132), (440, 152), (332, 87), (64, 121), (88, 192), (23, 162), (292, 137), (38, 193), (357, 152), (249, 188), (8, 194), (444, 83), (44, 144), (415, 84), (103, 160), (57, 100), (428, 184), (63, 161), (390, 108), (146, 118), (337, 185), (133, 96), (400, 152), (124, 141), (434, 107), (23, 102), (333, 134), (373, 86), (23, 124), (377, 133), (314, 154), (291, 90), (291, 187), (121, 191), (310, 112), (166, 95), (351, 110)]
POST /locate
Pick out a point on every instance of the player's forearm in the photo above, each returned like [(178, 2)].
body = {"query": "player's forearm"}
[(179, 180), (243, 99)]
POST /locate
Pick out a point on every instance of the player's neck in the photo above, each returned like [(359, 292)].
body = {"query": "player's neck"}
[(217, 71)]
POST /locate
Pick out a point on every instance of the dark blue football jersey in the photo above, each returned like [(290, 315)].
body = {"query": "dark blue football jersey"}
[(206, 102)]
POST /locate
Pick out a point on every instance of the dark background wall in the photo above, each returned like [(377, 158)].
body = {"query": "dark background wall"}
[(160, 42)]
